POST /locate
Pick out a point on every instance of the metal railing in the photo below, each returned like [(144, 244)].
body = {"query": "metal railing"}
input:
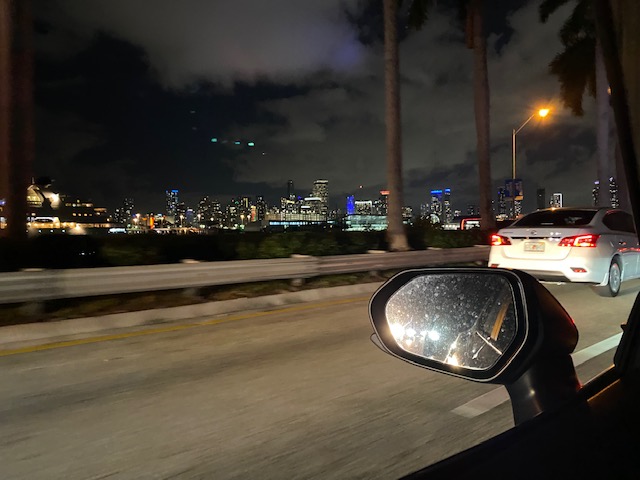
[(42, 285)]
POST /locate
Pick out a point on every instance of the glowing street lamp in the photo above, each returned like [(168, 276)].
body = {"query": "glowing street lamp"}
[(543, 112), (515, 198)]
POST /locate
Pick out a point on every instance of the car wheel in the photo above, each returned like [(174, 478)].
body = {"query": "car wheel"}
[(612, 288)]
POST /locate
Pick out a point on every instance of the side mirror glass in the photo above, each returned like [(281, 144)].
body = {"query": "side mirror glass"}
[(467, 320)]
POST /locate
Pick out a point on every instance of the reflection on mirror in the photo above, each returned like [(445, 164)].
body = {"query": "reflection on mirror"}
[(464, 319)]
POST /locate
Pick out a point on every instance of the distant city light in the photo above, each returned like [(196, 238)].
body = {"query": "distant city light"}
[(214, 140), (237, 142), (251, 144)]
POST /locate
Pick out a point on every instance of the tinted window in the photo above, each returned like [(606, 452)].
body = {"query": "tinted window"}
[(619, 221), (556, 218)]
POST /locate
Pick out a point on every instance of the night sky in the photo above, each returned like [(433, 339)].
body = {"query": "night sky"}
[(129, 95)]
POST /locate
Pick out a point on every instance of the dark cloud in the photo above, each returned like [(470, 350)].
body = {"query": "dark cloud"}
[(223, 41)]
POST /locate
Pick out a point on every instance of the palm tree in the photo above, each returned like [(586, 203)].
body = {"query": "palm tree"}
[(396, 236), (5, 97), (16, 109), (579, 68), (474, 11)]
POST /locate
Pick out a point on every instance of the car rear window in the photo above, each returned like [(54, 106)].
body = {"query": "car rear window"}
[(557, 218)]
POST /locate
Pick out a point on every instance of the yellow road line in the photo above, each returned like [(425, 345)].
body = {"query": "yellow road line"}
[(176, 328)]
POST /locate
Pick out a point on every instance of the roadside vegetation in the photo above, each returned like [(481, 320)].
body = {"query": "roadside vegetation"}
[(66, 251)]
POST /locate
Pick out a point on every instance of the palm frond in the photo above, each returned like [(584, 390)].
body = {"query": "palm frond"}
[(575, 69), (419, 13), (547, 7), (579, 24)]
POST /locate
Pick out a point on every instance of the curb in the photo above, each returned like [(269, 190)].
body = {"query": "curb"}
[(45, 332)]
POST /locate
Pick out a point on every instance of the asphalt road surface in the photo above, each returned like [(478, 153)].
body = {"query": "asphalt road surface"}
[(299, 392)]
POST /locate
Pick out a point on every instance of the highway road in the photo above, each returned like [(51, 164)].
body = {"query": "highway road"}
[(298, 392)]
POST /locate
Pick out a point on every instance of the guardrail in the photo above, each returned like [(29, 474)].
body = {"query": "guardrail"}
[(36, 286)]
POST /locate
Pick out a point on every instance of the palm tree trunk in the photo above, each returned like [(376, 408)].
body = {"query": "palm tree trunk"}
[(482, 112), (602, 126), (5, 101), (17, 136), (396, 236)]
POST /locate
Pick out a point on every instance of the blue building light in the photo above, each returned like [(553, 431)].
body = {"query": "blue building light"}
[(351, 205), (214, 140)]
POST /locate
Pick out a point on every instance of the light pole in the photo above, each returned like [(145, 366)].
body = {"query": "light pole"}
[(543, 112)]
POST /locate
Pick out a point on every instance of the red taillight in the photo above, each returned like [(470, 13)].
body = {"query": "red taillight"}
[(579, 241), (499, 240)]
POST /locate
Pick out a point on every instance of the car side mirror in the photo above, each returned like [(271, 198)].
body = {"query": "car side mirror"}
[(482, 324)]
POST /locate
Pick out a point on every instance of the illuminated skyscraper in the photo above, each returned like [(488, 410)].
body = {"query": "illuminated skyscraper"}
[(502, 202), (613, 193), (556, 200), (172, 204), (261, 208), (595, 193), (321, 191), (351, 205), (436, 203), (380, 205), (448, 215)]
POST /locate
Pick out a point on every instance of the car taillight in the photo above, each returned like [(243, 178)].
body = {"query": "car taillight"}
[(579, 241), (499, 240)]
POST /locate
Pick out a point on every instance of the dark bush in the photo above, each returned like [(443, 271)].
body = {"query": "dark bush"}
[(67, 251)]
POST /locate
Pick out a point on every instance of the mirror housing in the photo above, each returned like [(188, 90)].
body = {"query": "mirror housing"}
[(482, 324)]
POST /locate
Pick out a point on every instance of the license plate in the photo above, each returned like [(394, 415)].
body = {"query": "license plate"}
[(534, 247)]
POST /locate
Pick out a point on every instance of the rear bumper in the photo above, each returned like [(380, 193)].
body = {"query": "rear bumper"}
[(596, 270)]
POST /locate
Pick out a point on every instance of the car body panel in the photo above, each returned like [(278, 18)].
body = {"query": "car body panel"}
[(537, 249)]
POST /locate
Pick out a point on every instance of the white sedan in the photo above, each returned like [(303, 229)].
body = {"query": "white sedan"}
[(593, 245)]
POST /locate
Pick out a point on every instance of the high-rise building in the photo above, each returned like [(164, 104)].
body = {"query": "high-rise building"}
[(595, 193), (124, 213), (364, 207), (261, 208), (613, 193), (208, 213), (290, 191), (424, 210), (189, 217), (448, 215), (351, 205), (180, 215), (517, 208), (541, 198), (473, 209), (502, 202), (436, 204), (556, 200), (380, 206), (172, 203), (321, 190)]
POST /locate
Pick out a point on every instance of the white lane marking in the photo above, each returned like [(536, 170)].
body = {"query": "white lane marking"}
[(498, 396), (597, 349)]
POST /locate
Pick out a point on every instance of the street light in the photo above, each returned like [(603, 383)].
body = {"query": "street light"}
[(543, 112)]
